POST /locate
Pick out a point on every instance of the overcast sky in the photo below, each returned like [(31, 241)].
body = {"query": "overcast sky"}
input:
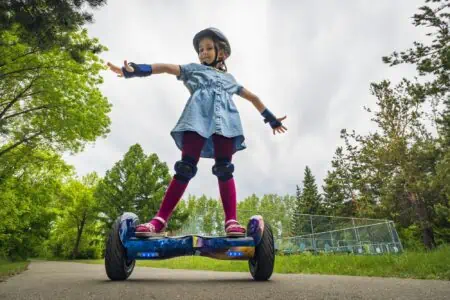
[(310, 60)]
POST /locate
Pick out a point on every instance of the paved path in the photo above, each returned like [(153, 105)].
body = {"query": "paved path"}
[(64, 280)]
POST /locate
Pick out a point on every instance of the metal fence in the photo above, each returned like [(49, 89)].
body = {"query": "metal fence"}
[(328, 234), (308, 233)]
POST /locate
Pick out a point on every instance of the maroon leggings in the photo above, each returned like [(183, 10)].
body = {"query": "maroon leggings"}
[(192, 146)]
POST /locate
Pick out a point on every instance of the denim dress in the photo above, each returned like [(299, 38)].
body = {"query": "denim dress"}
[(210, 108)]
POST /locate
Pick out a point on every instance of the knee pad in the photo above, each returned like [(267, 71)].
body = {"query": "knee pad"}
[(185, 169), (223, 169)]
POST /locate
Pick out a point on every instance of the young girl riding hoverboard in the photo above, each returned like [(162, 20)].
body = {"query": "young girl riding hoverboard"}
[(209, 126)]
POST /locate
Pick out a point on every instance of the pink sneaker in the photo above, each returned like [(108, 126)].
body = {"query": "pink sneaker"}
[(234, 229), (149, 229)]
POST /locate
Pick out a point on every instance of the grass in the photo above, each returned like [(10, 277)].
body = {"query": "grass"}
[(419, 265), (8, 268)]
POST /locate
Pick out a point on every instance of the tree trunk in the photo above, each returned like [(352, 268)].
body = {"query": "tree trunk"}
[(77, 243), (424, 220)]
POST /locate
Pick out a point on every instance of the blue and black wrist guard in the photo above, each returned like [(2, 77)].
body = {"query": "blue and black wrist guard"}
[(140, 70), (269, 117)]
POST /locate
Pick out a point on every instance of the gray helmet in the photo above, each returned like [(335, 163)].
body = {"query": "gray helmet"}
[(215, 34)]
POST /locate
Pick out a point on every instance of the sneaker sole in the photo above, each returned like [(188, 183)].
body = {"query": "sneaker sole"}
[(235, 234)]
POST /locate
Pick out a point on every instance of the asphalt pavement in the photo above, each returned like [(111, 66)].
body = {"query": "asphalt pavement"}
[(67, 280)]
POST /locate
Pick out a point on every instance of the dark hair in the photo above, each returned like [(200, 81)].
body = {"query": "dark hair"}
[(221, 45)]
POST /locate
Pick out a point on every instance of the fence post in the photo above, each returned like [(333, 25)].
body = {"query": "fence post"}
[(312, 232), (356, 233), (390, 226), (331, 236)]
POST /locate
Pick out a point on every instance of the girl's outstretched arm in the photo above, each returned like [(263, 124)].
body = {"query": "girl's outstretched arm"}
[(246, 94), (274, 122), (154, 69), (166, 68)]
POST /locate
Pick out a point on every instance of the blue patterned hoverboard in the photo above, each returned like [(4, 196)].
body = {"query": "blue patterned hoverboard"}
[(123, 248)]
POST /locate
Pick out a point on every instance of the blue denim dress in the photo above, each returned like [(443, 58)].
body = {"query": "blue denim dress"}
[(210, 108)]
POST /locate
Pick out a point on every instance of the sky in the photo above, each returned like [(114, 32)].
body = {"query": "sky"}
[(312, 61)]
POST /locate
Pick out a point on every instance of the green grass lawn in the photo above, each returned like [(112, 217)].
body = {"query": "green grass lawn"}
[(420, 265), (8, 268)]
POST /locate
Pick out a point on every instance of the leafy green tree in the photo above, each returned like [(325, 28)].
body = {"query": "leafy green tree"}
[(75, 232), (276, 211), (61, 241), (79, 208), (432, 61), (248, 207), (48, 100), (28, 202), (195, 209), (211, 216), (137, 184), (399, 171), (286, 212), (396, 163), (201, 215), (44, 24)]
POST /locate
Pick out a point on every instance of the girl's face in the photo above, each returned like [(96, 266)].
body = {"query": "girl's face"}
[(206, 50)]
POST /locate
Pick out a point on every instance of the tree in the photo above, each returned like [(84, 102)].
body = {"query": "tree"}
[(28, 202), (45, 24), (308, 202), (287, 208), (297, 218), (137, 184), (310, 198), (79, 208), (432, 62), (399, 172), (48, 100), (396, 164), (277, 211), (339, 195)]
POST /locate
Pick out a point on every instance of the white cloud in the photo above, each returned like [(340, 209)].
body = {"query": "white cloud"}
[(313, 61)]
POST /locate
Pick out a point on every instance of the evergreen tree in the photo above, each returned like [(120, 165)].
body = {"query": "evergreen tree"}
[(338, 189), (431, 60), (297, 218), (310, 198), (308, 202)]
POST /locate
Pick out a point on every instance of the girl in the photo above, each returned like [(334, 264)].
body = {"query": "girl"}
[(209, 126)]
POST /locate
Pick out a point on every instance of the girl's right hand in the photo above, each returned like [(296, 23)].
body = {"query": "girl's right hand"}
[(118, 70)]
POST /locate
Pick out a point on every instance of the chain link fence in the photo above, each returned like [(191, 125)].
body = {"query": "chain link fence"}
[(328, 234)]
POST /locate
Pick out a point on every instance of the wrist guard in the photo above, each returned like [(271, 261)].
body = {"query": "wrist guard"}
[(269, 117), (140, 70)]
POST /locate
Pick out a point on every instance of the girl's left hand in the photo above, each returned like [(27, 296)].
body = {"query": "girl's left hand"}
[(282, 128)]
